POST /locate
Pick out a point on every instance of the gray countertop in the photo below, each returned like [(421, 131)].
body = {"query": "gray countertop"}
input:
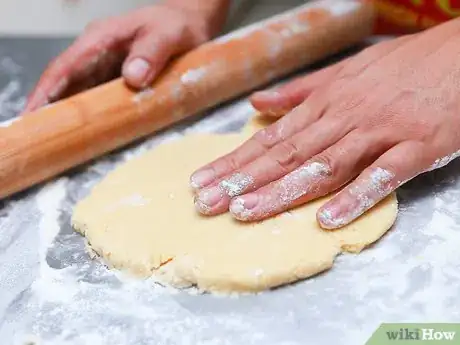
[(51, 292)]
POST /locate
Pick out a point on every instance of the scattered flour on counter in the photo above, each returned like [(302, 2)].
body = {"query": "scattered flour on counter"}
[(83, 303), (235, 114), (411, 274), (11, 103), (416, 264), (9, 122), (49, 286), (12, 100), (61, 296), (49, 199), (9, 66)]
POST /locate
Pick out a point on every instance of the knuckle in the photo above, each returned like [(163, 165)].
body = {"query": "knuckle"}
[(415, 154), (428, 132), (266, 137), (201, 30), (348, 105), (188, 31), (230, 163), (287, 155)]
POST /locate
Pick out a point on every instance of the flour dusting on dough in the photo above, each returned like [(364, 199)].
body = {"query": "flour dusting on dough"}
[(219, 253)]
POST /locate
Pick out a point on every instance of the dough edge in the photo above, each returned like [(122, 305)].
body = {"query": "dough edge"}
[(180, 274)]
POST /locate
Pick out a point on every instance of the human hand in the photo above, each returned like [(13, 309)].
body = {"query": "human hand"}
[(383, 117), (139, 44)]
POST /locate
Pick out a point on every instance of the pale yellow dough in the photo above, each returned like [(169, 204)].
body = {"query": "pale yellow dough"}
[(141, 218), (258, 122)]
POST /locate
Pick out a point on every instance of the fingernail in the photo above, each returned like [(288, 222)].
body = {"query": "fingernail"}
[(208, 198), (242, 207), (236, 184), (328, 218), (355, 200), (202, 178), (274, 95), (343, 212), (137, 70)]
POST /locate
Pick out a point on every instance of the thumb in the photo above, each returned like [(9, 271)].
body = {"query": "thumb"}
[(148, 56), (283, 99)]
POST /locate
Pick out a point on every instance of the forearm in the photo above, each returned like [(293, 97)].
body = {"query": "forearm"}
[(213, 11)]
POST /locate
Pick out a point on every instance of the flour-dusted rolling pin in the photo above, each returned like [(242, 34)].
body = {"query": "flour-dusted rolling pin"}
[(53, 139)]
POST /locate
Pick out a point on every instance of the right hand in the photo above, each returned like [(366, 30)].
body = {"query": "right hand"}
[(139, 44)]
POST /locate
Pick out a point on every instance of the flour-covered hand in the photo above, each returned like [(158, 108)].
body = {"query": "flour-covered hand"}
[(379, 119)]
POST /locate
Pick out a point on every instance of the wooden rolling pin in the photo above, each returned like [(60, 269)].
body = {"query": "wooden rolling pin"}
[(55, 138)]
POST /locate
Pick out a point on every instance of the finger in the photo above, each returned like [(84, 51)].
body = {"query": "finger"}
[(261, 142), (93, 77), (52, 82), (281, 100), (399, 164), (151, 51), (148, 56), (277, 162), (82, 58), (320, 175)]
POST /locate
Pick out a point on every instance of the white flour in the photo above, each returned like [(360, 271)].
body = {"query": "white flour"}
[(193, 75), (9, 122), (143, 94), (12, 100), (77, 295), (407, 275), (439, 163), (49, 285)]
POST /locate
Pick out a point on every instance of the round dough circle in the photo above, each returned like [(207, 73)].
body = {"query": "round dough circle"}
[(141, 218)]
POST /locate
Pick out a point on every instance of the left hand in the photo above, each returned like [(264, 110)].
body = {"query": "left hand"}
[(138, 45), (383, 117)]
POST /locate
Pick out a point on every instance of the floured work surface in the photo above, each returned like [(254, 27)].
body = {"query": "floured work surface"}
[(52, 293), (141, 218)]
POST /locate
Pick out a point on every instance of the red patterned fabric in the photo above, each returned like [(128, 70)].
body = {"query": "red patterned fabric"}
[(405, 16)]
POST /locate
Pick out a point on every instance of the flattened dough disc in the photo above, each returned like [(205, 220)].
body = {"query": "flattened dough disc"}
[(141, 218)]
